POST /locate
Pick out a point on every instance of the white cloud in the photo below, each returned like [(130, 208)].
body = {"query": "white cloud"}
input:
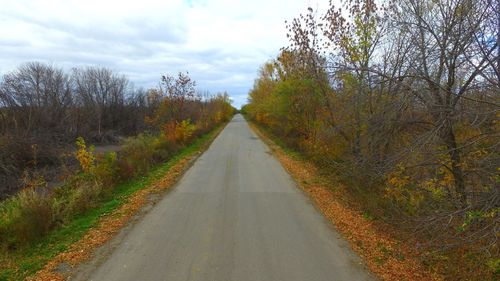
[(220, 42)]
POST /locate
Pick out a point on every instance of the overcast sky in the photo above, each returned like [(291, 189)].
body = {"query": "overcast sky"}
[(221, 43)]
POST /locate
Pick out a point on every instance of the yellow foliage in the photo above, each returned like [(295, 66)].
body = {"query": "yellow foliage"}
[(179, 132), (184, 130), (403, 189), (397, 178), (85, 156), (218, 116), (435, 187)]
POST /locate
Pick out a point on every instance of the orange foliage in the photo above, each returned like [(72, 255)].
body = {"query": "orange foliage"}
[(179, 132)]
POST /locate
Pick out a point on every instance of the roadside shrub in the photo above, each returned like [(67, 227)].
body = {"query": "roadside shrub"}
[(138, 154), (106, 170), (36, 215), (179, 132), (184, 131), (24, 218), (75, 197), (164, 148)]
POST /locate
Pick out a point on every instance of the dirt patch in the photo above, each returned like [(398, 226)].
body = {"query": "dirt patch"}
[(101, 149)]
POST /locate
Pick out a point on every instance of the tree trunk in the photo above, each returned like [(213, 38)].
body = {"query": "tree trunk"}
[(498, 39), (448, 135)]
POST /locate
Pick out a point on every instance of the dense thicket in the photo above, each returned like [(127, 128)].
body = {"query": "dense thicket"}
[(400, 100)]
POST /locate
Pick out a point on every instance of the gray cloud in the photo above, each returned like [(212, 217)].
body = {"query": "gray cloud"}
[(220, 42)]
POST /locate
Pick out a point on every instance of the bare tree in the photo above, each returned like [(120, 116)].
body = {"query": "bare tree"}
[(102, 93), (36, 97), (445, 64)]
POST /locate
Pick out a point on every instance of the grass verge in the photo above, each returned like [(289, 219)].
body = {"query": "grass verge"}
[(76, 241), (386, 256)]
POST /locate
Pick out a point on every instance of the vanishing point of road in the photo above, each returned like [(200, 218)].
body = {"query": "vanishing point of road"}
[(235, 215)]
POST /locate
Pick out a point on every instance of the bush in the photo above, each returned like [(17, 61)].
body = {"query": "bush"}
[(184, 131), (138, 155), (106, 170), (179, 132), (75, 197), (24, 218)]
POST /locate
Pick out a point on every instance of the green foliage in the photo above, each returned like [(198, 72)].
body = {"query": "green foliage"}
[(494, 265), (107, 170), (139, 154), (476, 217)]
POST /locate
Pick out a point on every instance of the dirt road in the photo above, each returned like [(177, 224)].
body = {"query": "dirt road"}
[(235, 215)]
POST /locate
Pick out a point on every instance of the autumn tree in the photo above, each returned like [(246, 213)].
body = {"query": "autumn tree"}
[(400, 101), (178, 91)]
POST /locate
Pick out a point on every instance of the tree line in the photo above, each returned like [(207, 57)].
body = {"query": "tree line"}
[(51, 121), (401, 101), (44, 109)]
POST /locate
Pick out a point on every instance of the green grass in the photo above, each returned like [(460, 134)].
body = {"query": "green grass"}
[(34, 257)]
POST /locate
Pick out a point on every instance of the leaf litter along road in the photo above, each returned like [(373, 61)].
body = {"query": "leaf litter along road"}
[(235, 215)]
